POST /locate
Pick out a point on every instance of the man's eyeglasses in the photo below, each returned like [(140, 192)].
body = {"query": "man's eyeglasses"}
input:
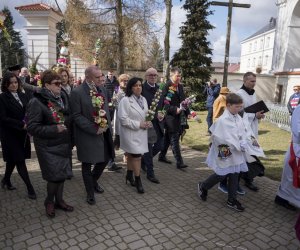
[(57, 83), (152, 75)]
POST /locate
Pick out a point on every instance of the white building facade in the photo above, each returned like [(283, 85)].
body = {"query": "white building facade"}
[(41, 30), (257, 50)]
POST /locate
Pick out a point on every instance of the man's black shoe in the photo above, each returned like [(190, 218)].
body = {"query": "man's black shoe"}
[(182, 166), (284, 203), (165, 160), (98, 189), (90, 200), (114, 167), (153, 179), (251, 186)]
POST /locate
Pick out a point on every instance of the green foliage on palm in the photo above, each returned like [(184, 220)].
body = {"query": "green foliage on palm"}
[(32, 68), (194, 56), (11, 54)]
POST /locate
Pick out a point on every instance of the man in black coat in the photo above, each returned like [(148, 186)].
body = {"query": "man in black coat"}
[(173, 96), (150, 87), (94, 143)]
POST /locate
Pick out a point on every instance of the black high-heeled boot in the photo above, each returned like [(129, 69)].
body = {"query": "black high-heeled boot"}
[(8, 185), (129, 177), (138, 184)]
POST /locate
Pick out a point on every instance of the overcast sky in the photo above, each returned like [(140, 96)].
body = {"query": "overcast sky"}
[(245, 22)]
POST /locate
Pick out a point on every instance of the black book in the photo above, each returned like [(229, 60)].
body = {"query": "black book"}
[(257, 107)]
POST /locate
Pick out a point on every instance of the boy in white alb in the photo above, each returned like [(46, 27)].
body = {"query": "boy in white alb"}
[(231, 138)]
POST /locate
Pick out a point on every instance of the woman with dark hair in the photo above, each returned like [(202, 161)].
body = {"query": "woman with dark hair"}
[(65, 77), (132, 111), (51, 139), (14, 138)]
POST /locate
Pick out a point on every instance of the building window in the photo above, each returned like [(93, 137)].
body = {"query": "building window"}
[(250, 47), (248, 63), (266, 60), (253, 62), (261, 44), (255, 45), (259, 61), (268, 42)]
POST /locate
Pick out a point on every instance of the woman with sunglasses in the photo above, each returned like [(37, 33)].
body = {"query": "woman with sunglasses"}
[(14, 138), (46, 124)]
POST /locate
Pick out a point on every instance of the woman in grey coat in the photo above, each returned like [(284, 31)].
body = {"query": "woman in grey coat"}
[(46, 123)]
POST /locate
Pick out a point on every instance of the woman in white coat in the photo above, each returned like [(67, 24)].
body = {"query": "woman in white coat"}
[(132, 112)]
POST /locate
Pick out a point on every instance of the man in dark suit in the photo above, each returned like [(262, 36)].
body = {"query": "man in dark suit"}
[(150, 87), (93, 142), (173, 96)]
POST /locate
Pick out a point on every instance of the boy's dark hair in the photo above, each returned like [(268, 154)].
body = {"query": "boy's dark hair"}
[(233, 98), (130, 84)]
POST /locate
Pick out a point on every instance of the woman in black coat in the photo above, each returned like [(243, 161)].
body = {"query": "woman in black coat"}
[(14, 138), (46, 124)]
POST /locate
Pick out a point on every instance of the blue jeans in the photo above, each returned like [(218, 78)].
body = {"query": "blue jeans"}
[(147, 158), (209, 118)]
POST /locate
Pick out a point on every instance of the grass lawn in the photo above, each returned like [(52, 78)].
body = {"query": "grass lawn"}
[(274, 141)]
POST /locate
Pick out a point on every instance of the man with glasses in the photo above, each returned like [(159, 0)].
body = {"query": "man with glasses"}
[(150, 87), (294, 99)]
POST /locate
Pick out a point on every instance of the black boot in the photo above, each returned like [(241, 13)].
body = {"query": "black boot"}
[(129, 177), (138, 184)]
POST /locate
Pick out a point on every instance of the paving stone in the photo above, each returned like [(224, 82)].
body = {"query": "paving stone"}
[(47, 243), (137, 244), (130, 238), (35, 240), (167, 216), (22, 237), (83, 245)]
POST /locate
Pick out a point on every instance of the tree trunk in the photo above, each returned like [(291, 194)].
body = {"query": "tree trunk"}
[(120, 30), (166, 69)]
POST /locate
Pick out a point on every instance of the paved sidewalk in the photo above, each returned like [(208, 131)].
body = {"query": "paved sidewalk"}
[(168, 216)]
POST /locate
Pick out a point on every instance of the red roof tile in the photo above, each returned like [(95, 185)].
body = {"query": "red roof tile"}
[(36, 7)]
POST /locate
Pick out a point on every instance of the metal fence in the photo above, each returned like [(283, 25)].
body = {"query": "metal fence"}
[(279, 115)]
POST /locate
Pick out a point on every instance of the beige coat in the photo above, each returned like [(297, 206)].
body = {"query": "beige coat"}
[(133, 139), (219, 106)]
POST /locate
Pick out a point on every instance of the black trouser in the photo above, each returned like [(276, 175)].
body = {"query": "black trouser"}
[(55, 190), (22, 170), (90, 177), (232, 183), (173, 139)]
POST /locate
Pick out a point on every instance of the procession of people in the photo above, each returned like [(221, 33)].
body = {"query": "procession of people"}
[(142, 118)]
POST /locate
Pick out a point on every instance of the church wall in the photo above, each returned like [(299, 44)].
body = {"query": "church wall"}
[(265, 84)]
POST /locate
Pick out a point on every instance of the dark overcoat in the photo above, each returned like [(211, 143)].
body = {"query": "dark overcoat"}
[(90, 146), (149, 92), (14, 138), (172, 119), (52, 148)]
